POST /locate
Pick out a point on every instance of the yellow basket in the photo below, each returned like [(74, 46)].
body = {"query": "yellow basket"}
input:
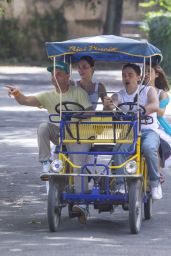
[(98, 132)]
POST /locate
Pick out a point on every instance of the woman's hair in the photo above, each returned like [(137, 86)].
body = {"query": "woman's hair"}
[(135, 67), (89, 60), (161, 81)]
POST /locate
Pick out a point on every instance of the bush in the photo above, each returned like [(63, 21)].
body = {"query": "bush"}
[(51, 26), (159, 34), (12, 39), (25, 43)]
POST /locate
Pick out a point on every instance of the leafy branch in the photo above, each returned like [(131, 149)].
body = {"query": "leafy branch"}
[(162, 5), (2, 9)]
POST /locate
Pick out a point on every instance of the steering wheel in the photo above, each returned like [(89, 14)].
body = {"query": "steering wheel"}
[(131, 105), (66, 104)]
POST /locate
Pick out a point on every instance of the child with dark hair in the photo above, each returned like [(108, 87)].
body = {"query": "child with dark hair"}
[(156, 77)]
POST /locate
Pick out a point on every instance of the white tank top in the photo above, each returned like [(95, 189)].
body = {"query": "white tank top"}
[(159, 92), (143, 100), (93, 96)]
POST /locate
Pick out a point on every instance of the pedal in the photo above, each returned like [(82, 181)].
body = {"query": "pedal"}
[(44, 177)]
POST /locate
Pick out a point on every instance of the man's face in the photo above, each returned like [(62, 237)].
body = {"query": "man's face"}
[(130, 77), (61, 77)]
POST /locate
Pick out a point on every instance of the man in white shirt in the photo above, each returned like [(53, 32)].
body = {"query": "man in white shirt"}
[(149, 136)]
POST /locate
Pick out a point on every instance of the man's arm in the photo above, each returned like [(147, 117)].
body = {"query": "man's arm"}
[(21, 98), (110, 103), (102, 91), (153, 102)]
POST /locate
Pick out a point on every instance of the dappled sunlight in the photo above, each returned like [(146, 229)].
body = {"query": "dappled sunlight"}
[(27, 153), (161, 213), (26, 142), (28, 198), (31, 244), (35, 186), (21, 69), (18, 133), (58, 244), (15, 250), (61, 241), (4, 202), (111, 245), (3, 166), (157, 239), (6, 213), (21, 109), (90, 239), (17, 165), (39, 214), (6, 233), (25, 200), (27, 138)]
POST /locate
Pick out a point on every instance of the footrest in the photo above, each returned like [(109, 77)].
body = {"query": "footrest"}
[(102, 148)]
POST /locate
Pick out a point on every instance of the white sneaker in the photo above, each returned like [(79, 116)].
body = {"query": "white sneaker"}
[(121, 189), (82, 212), (156, 192), (46, 167)]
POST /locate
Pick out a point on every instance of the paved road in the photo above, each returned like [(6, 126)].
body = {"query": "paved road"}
[(23, 200)]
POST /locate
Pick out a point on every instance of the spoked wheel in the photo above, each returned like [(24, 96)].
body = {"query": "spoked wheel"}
[(125, 206), (148, 208), (54, 206), (135, 205)]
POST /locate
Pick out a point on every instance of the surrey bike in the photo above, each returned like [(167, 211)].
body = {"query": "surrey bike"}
[(103, 131)]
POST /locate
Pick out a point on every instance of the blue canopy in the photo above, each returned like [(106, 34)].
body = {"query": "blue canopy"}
[(106, 48)]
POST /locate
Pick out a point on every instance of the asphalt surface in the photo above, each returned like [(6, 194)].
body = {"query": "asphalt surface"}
[(23, 200)]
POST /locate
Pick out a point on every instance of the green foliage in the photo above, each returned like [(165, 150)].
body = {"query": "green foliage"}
[(48, 27), (158, 27), (51, 26), (12, 39), (160, 4), (147, 4), (25, 42), (92, 4), (2, 10), (160, 35)]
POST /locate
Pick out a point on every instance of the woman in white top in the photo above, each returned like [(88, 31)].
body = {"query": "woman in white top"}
[(94, 89)]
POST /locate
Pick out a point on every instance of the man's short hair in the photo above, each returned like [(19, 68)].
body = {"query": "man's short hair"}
[(135, 67), (59, 65)]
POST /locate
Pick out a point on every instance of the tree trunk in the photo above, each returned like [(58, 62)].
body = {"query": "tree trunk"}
[(118, 16), (113, 17)]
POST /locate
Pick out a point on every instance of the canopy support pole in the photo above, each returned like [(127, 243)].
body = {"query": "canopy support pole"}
[(60, 92)]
